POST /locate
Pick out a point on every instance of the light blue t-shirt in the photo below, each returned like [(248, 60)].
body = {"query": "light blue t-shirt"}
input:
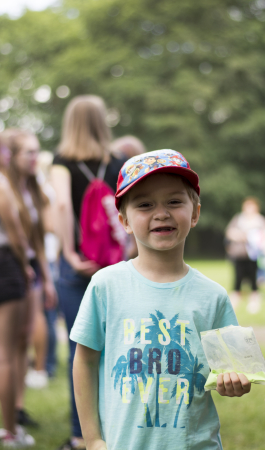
[(153, 368)]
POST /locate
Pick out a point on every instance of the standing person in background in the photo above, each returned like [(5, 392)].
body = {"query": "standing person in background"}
[(52, 248), (127, 147), (15, 273), (244, 236), (31, 202), (85, 138)]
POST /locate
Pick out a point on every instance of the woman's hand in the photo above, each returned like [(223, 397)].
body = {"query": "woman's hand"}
[(86, 267), (29, 274), (50, 295)]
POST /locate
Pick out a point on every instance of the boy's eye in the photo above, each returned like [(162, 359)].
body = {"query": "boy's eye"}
[(144, 205), (174, 202)]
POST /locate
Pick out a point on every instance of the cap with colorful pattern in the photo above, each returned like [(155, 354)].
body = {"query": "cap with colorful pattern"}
[(144, 165)]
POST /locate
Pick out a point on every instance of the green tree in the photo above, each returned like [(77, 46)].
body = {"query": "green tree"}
[(186, 75)]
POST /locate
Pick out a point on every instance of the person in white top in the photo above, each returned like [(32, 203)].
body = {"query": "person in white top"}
[(15, 273), (31, 202), (245, 236), (52, 249)]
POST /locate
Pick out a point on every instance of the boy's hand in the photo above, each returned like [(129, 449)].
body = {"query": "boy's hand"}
[(232, 384)]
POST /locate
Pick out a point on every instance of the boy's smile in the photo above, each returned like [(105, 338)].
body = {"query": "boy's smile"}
[(159, 213)]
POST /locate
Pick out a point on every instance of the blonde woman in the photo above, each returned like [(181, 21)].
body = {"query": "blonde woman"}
[(31, 202), (14, 276), (244, 236), (85, 138)]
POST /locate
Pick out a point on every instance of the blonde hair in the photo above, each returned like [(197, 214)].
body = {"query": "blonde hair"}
[(35, 233), (2, 140), (85, 134), (3, 143)]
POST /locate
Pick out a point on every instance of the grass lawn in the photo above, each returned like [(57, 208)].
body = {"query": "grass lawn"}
[(222, 273), (242, 419), (50, 407)]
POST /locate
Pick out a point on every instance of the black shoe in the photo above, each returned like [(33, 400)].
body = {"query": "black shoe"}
[(23, 418), (68, 446)]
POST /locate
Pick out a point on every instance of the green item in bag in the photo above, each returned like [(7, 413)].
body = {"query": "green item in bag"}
[(233, 349)]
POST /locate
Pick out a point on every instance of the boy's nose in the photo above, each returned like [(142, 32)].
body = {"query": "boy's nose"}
[(161, 213)]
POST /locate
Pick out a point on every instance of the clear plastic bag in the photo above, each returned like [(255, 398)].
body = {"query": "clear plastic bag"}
[(233, 349)]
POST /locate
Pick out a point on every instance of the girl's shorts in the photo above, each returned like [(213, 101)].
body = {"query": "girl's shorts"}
[(36, 283), (12, 281)]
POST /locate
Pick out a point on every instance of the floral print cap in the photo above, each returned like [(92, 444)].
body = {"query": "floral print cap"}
[(141, 166)]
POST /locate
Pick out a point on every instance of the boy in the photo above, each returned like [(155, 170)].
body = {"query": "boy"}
[(140, 322)]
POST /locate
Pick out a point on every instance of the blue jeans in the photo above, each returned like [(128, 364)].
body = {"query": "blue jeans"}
[(71, 288), (51, 358), (51, 317)]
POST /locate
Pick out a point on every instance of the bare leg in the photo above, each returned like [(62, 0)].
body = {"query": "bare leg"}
[(25, 331), (9, 319), (40, 332)]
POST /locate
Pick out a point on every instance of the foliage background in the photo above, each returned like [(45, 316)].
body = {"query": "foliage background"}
[(184, 75)]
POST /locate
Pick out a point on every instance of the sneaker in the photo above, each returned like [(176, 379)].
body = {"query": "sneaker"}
[(23, 418), (9, 440), (21, 434), (36, 379), (19, 440), (68, 445), (235, 298), (254, 304)]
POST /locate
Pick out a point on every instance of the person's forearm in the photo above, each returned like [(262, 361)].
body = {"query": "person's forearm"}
[(63, 209), (67, 230), (17, 241), (44, 268), (16, 236), (85, 375), (18, 249)]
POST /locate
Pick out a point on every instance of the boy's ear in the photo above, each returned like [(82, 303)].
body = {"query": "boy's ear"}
[(195, 217), (125, 223)]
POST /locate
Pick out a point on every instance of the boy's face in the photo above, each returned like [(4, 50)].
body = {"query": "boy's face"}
[(159, 213)]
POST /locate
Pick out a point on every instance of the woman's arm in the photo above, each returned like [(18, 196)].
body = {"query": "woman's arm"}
[(85, 375), (10, 219), (50, 294), (61, 181)]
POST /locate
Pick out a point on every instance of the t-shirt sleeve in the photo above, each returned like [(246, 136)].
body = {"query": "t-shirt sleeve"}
[(225, 314), (90, 323)]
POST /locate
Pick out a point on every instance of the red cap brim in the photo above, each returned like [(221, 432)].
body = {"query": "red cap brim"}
[(189, 174)]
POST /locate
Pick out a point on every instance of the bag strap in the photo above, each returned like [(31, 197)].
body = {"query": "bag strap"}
[(89, 174)]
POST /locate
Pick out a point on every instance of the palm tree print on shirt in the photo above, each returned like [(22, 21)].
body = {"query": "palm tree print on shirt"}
[(136, 368)]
